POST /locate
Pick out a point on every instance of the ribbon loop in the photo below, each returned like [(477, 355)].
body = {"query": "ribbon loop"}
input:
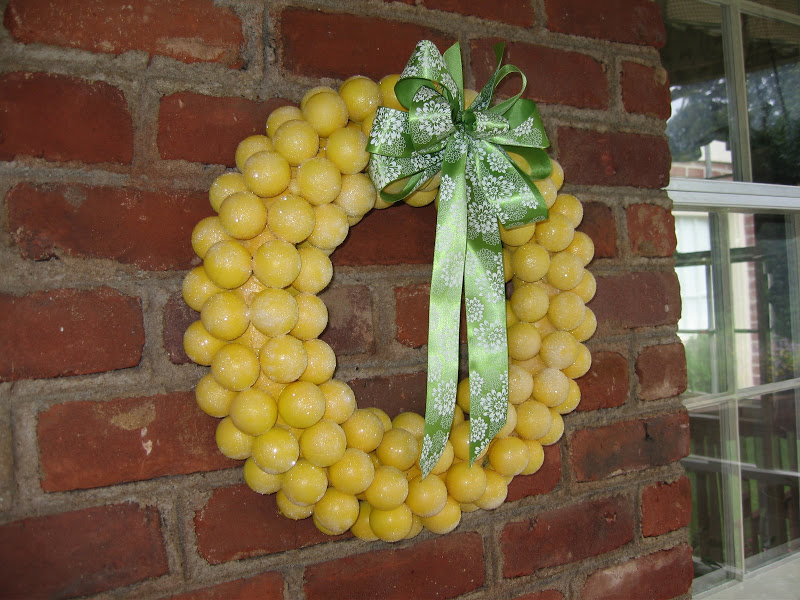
[(489, 157)]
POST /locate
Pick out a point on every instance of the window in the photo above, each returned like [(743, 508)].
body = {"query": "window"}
[(734, 68)]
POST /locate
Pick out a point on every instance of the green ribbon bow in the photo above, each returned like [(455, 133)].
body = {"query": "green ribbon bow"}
[(480, 184)]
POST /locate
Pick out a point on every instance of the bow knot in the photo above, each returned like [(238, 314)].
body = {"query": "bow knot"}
[(480, 184)]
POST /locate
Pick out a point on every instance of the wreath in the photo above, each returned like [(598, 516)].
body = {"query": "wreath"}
[(417, 137)]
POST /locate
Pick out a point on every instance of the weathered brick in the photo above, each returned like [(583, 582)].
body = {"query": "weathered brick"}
[(661, 371), (393, 393), (541, 482), (189, 30), (62, 118), (177, 318), (148, 229), (238, 523), (513, 13), (639, 299), (340, 40), (69, 332), (605, 385), (651, 230), (645, 90), (443, 567), (396, 235), (554, 76), (81, 552), (350, 325), (598, 223), (614, 158), (266, 586), (207, 129), (656, 576), (629, 446), (666, 507), (543, 595), (412, 304), (140, 438), (558, 536), (627, 21)]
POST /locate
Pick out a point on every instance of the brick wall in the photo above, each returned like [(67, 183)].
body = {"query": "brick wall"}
[(114, 119)]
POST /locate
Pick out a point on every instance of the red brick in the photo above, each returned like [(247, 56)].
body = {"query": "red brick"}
[(443, 567), (543, 595), (344, 44), (651, 230), (661, 371), (541, 482), (238, 523), (207, 129), (396, 235), (148, 229), (598, 223), (189, 30), (513, 13), (350, 319), (412, 304), (605, 385), (63, 118), (393, 393), (177, 318), (558, 536), (627, 21), (666, 507), (69, 332), (554, 76), (139, 439), (645, 90), (656, 576), (81, 552), (639, 299), (614, 158), (266, 586), (629, 446)]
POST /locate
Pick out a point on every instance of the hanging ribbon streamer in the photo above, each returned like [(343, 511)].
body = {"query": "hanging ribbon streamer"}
[(480, 184)]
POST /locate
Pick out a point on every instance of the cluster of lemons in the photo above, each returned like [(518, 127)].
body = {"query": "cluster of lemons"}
[(296, 192)]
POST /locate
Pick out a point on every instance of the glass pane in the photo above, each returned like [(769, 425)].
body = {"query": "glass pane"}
[(790, 6), (693, 231), (704, 468), (772, 65), (768, 427), (702, 363), (748, 359), (698, 128)]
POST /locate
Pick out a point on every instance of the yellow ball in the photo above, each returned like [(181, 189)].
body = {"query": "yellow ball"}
[(566, 311), (197, 288), (212, 398), (445, 460), (304, 483), (547, 188), (391, 525), (353, 472), (530, 302), (235, 367), (572, 401), (260, 481), (556, 430), (357, 196), (385, 420), (364, 430), (582, 247), (276, 264), (517, 236), (330, 227), (533, 420), (325, 112), (386, 90), (361, 528), (550, 387), (336, 511), (388, 490), (347, 149), (520, 384), (524, 341), (462, 394), (225, 185), (267, 174), (291, 218), (199, 345), (280, 115), (565, 272), (496, 491), (411, 422), (587, 328), (426, 497), (312, 317), (420, 198), (233, 442), (508, 456), (225, 315), (206, 233), (254, 411), (276, 451), (243, 215), (320, 182), (249, 146), (301, 404), (459, 438), (557, 173), (274, 312), (228, 264), (466, 483), (316, 271), (583, 361), (340, 401), (399, 449), (446, 519), (587, 288), (361, 96), (555, 233), (321, 362), (536, 457), (530, 262), (558, 350), (323, 444), (296, 141), (290, 510), (511, 422), (569, 206), (283, 359)]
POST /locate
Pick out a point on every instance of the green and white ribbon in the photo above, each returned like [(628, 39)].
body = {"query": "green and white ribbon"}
[(480, 185)]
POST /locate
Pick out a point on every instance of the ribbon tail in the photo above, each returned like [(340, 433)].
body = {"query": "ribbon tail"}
[(445, 315)]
